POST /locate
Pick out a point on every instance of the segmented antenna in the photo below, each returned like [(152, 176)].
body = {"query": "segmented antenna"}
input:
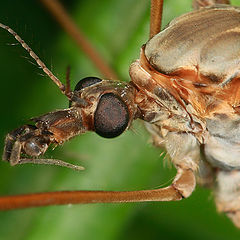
[(37, 59)]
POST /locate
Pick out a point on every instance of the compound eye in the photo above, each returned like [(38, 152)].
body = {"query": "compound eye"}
[(111, 116), (86, 82)]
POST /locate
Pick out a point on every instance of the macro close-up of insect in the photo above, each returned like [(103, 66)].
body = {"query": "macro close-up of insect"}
[(175, 70)]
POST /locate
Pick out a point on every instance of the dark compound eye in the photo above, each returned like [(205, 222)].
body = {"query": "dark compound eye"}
[(86, 82), (111, 116)]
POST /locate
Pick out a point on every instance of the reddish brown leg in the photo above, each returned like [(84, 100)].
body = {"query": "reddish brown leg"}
[(156, 17), (63, 18), (206, 3), (182, 187)]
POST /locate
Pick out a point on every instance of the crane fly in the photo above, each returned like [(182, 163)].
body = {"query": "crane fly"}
[(185, 86)]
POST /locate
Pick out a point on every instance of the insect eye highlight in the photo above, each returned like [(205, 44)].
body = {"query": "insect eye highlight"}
[(86, 82), (111, 116)]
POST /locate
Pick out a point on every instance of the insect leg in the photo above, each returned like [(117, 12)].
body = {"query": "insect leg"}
[(182, 187), (156, 17)]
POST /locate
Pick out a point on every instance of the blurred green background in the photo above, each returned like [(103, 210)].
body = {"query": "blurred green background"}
[(129, 162)]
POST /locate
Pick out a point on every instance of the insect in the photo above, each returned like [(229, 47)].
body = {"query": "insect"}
[(163, 100)]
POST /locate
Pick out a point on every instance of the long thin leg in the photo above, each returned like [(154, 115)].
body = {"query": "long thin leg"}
[(36, 58), (70, 27), (156, 17), (182, 187)]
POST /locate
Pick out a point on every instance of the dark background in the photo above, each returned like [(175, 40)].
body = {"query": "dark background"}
[(129, 162)]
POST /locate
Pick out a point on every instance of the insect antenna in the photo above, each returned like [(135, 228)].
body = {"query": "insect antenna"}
[(41, 64)]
